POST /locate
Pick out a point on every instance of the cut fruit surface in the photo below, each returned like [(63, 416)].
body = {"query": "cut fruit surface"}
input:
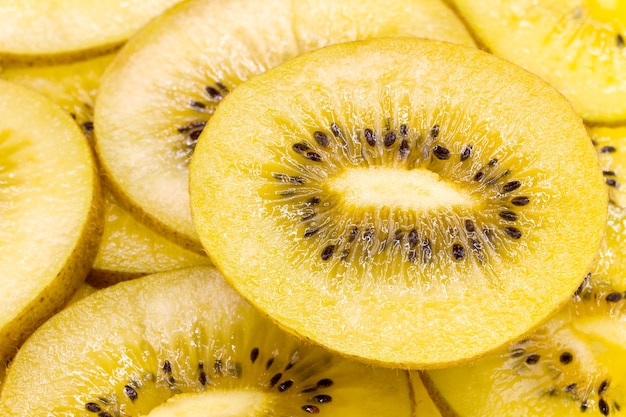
[(128, 249), (383, 281), (160, 91), (575, 45), (172, 342), (50, 211), (610, 143), (573, 365), (50, 30)]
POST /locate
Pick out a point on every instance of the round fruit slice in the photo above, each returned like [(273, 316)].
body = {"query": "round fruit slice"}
[(165, 84), (572, 365), (50, 212), (575, 45), (129, 249), (610, 143), (184, 343), (51, 30), (400, 200)]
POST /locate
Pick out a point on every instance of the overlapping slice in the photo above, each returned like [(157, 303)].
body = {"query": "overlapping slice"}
[(610, 143), (409, 202), (574, 365), (576, 45), (52, 31), (184, 342), (166, 83), (50, 211), (128, 249)]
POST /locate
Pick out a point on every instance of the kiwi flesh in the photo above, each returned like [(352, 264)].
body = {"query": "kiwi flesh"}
[(577, 46), (49, 31), (128, 249), (573, 365), (50, 212), (164, 84), (185, 340), (400, 200), (610, 143)]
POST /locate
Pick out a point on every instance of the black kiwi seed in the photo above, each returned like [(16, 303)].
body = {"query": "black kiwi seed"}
[(413, 238), (611, 182), (603, 387), (313, 201), (479, 176), (321, 138), (404, 149), (607, 149), (404, 130), (336, 130), (269, 363), (130, 392), (274, 380), (466, 152), (434, 131), (88, 126), (511, 186), (520, 201), (458, 251), (614, 297), (313, 156), (619, 40), (469, 226), (570, 387), (167, 367), (284, 386), (508, 216), (390, 139), (322, 398), (584, 406), (328, 252), (603, 407), (311, 409), (532, 359), (213, 93), (300, 147), (310, 231), (513, 232), (370, 138), (441, 152), (93, 407), (324, 383), (566, 358)]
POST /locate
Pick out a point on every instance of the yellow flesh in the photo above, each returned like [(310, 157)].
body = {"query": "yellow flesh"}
[(186, 317), (212, 404), (128, 249), (398, 313), (35, 30), (575, 45), (49, 211), (138, 112)]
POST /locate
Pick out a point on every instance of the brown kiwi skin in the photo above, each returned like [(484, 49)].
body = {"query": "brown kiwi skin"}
[(440, 402)]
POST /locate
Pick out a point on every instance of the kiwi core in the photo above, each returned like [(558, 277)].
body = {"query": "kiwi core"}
[(417, 189), (212, 404)]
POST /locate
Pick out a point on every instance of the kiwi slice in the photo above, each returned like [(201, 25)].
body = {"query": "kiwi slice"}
[(50, 212), (164, 85), (128, 249), (574, 365), (577, 46), (73, 86), (185, 343), (47, 31), (400, 200)]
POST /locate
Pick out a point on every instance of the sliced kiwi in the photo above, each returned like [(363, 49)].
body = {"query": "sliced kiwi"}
[(185, 340), (577, 46), (400, 200), (574, 365), (73, 86), (47, 31), (165, 84), (50, 212), (129, 249)]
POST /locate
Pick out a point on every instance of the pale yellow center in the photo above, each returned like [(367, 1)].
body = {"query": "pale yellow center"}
[(239, 403), (417, 189)]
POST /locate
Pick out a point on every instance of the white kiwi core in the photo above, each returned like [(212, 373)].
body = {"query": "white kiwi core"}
[(212, 404), (416, 190)]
